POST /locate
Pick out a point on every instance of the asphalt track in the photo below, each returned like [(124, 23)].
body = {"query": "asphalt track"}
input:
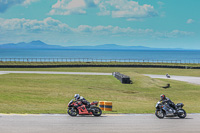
[(189, 79), (121, 123), (45, 72)]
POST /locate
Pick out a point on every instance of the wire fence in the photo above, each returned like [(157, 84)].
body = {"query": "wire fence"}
[(31, 60)]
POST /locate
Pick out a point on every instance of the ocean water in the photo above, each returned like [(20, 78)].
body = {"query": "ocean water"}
[(182, 56)]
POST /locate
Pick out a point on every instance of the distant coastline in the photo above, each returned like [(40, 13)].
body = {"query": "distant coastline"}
[(39, 45)]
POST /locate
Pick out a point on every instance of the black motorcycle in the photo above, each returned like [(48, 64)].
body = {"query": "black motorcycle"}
[(164, 110)]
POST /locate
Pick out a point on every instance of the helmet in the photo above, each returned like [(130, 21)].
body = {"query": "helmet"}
[(76, 96), (162, 97)]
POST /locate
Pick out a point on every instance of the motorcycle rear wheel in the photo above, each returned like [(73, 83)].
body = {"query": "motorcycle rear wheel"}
[(160, 114), (182, 115), (96, 111), (72, 111)]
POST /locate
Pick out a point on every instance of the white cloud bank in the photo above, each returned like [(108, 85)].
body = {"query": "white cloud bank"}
[(54, 31), (49, 24), (5, 4), (27, 25), (129, 10)]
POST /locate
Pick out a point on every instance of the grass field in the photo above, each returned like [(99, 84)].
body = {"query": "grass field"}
[(42, 93)]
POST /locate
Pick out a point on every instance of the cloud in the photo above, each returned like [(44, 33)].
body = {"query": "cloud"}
[(161, 4), (5, 4), (54, 31), (33, 26), (189, 21), (27, 2), (68, 7), (52, 25), (173, 34), (55, 26), (110, 30), (129, 10)]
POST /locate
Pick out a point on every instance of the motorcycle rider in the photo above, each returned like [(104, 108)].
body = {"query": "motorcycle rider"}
[(165, 99), (82, 99)]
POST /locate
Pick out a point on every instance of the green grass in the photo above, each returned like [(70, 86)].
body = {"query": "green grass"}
[(42, 93)]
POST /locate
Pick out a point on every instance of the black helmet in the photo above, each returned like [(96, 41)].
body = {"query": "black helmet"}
[(162, 97)]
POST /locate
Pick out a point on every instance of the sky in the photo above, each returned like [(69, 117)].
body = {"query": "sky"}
[(150, 23)]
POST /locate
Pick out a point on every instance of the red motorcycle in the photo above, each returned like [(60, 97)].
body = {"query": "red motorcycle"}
[(77, 107)]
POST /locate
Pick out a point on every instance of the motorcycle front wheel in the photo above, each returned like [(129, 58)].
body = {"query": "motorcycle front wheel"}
[(160, 114), (72, 111), (182, 113), (96, 111)]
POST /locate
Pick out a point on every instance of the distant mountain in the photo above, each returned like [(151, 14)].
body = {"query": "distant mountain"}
[(32, 45), (110, 46), (41, 45)]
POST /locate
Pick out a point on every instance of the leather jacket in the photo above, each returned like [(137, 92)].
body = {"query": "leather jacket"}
[(83, 100), (169, 102)]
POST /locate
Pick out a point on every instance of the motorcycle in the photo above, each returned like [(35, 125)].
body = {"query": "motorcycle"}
[(77, 107), (164, 110)]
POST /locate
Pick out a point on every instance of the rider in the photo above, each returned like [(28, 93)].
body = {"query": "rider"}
[(82, 99), (165, 99)]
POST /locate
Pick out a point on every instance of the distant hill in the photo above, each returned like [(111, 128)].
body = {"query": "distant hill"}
[(31, 45), (41, 45), (110, 46)]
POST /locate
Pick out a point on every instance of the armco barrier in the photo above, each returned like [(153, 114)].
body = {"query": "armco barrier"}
[(122, 78)]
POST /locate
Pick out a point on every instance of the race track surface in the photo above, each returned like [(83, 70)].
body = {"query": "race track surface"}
[(122, 123), (43, 72), (189, 79)]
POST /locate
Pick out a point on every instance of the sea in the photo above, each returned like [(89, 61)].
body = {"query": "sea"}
[(177, 56)]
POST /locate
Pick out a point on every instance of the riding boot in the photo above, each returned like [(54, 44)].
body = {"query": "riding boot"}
[(88, 106), (175, 108)]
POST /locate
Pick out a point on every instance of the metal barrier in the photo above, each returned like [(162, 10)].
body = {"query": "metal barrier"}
[(196, 61)]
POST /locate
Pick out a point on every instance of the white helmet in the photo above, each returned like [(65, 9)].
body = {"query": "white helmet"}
[(76, 96)]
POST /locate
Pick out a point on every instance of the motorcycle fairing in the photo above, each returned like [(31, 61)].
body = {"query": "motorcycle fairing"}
[(83, 111)]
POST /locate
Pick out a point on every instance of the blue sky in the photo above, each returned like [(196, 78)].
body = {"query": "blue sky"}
[(161, 24)]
